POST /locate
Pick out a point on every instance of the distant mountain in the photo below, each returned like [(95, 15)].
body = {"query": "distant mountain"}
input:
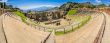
[(55, 8), (67, 6), (43, 8), (72, 5)]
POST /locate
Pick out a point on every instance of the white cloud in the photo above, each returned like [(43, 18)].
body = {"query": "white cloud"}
[(98, 1), (34, 6), (3, 0)]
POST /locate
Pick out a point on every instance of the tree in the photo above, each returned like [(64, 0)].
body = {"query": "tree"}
[(101, 5), (10, 6), (67, 6), (5, 6), (92, 6), (109, 5), (1, 5), (79, 5)]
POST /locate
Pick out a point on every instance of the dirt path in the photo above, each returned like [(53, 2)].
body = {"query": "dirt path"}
[(106, 37), (18, 32), (86, 34), (2, 34)]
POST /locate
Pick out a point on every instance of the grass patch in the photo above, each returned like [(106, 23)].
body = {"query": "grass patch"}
[(20, 14), (59, 33), (75, 28), (71, 12), (25, 19)]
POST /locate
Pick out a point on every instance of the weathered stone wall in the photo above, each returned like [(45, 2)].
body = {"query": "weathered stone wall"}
[(44, 16)]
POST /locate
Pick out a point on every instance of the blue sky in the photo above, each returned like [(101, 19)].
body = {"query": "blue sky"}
[(29, 4)]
